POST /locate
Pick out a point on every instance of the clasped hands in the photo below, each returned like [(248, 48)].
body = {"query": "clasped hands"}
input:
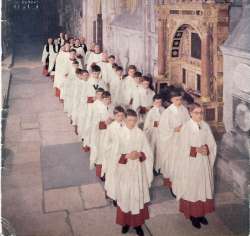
[(202, 150), (133, 155)]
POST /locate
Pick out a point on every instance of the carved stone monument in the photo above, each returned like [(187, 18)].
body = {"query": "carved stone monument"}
[(235, 147)]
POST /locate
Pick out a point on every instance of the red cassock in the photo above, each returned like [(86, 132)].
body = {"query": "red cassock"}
[(199, 208), (127, 218)]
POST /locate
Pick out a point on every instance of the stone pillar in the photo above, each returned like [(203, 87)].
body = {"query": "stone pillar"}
[(161, 47), (205, 67)]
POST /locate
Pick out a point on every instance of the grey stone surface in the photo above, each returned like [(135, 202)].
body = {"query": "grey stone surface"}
[(65, 165), (177, 225), (37, 224), (63, 199), (97, 222), (93, 196)]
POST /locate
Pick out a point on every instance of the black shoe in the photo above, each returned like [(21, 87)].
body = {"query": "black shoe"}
[(114, 203), (171, 191), (102, 179), (125, 229), (139, 231), (155, 172), (203, 220), (195, 222)]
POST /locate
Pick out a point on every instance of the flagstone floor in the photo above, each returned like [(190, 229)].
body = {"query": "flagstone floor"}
[(44, 193)]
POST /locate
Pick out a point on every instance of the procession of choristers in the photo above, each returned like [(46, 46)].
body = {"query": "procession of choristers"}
[(131, 136)]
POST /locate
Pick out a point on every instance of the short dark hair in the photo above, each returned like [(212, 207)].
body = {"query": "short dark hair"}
[(79, 71), (106, 94), (85, 71), (132, 67), (157, 97), (95, 68), (114, 66), (99, 90), (131, 112), (175, 93), (118, 109), (72, 50), (193, 106), (111, 56), (138, 74), (119, 68), (75, 62)]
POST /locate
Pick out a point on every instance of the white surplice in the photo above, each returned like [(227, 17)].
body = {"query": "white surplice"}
[(151, 130), (111, 158), (69, 90), (92, 85), (133, 178), (194, 176), (51, 55), (61, 69), (104, 71), (80, 88), (100, 113), (168, 139), (93, 58)]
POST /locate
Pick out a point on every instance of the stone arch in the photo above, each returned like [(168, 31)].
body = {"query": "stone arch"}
[(177, 35)]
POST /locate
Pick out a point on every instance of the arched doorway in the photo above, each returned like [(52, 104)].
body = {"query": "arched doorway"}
[(189, 37), (185, 66)]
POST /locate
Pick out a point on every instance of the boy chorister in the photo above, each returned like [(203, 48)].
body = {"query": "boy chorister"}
[(61, 68), (104, 68), (116, 86), (134, 176), (94, 57), (67, 69), (143, 100), (80, 53), (194, 184), (69, 87), (151, 128), (79, 86), (94, 82), (128, 86), (102, 116), (110, 161), (171, 121)]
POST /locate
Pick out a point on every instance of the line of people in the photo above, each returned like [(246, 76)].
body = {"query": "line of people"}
[(131, 137)]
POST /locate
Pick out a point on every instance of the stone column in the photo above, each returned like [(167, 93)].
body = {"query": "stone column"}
[(205, 67), (161, 47)]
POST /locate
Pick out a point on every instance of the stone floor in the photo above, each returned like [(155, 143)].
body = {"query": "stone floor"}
[(44, 195)]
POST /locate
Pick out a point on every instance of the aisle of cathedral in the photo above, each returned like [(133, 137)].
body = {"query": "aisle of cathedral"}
[(43, 197), (202, 46)]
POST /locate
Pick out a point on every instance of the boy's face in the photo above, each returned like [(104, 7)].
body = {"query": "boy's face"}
[(119, 117), (95, 74), (50, 40), (137, 80), (157, 103), (131, 72), (197, 114), (131, 121), (107, 101), (177, 101), (145, 84), (61, 35), (72, 55), (66, 47), (85, 76), (98, 95), (77, 42), (119, 72), (111, 60), (75, 66), (97, 49)]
